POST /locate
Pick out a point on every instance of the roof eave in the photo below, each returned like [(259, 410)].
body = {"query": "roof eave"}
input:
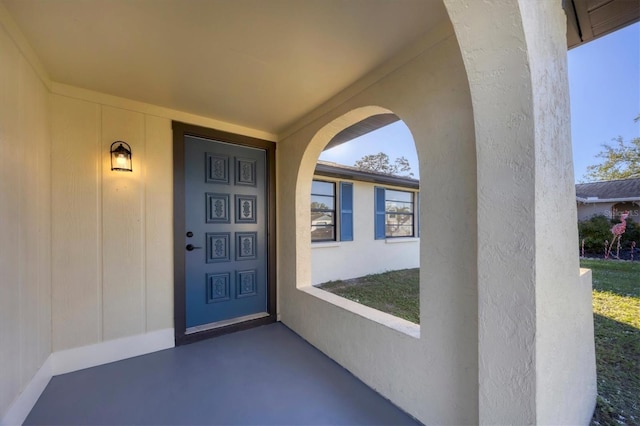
[(335, 172), (606, 200)]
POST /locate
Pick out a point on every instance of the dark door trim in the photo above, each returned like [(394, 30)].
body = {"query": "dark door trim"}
[(180, 130)]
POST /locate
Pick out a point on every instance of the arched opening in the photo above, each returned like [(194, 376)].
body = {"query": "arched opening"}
[(337, 203), (365, 214), (400, 358)]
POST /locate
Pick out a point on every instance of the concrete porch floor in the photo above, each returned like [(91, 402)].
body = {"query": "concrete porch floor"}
[(266, 375)]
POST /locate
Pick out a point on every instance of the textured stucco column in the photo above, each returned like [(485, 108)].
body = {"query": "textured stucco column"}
[(535, 332)]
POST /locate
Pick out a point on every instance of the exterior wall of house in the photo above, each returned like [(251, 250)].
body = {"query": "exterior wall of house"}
[(610, 210), (534, 315), (364, 255), (430, 370), (633, 209), (25, 225), (587, 211), (112, 268)]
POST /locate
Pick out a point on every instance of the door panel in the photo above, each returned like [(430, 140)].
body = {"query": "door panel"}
[(226, 212)]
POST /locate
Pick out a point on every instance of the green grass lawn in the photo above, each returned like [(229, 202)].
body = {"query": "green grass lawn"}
[(616, 309), (395, 292)]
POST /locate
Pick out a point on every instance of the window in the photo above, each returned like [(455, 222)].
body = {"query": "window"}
[(394, 213), (324, 211)]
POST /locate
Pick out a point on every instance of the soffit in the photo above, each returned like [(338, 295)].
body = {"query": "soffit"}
[(256, 63), (590, 19), (362, 128)]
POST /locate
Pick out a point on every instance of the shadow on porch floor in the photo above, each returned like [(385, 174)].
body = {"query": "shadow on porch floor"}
[(267, 375)]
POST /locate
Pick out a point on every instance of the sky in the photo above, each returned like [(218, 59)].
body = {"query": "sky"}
[(604, 87)]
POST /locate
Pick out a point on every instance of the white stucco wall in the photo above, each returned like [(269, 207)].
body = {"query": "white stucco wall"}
[(431, 373), (565, 385), (25, 224), (532, 308), (364, 255)]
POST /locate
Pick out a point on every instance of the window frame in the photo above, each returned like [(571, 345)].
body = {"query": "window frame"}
[(387, 213), (333, 211), (343, 221)]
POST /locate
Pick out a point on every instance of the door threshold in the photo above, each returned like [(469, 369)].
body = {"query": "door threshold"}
[(224, 323)]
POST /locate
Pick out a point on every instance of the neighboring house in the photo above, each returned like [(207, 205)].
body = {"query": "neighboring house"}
[(98, 265), (362, 222), (609, 198)]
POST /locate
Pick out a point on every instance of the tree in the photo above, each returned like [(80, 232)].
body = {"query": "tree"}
[(621, 160), (319, 206), (381, 163)]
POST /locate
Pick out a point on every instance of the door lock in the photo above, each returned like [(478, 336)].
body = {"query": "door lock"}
[(191, 247)]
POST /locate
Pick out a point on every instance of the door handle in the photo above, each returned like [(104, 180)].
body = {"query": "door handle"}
[(191, 247)]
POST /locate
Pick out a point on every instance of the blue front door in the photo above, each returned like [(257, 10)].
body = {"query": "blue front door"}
[(225, 239)]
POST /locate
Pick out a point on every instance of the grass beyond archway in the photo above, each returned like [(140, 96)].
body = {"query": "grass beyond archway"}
[(394, 292)]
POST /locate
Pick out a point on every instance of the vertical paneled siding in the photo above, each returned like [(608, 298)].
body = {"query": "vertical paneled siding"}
[(76, 255), (112, 241), (25, 224), (158, 223), (122, 228)]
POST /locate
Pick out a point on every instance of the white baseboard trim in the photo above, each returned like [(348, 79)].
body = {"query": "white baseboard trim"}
[(112, 350), (75, 359), (22, 405)]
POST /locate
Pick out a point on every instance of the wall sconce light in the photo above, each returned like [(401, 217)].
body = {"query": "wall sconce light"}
[(121, 157)]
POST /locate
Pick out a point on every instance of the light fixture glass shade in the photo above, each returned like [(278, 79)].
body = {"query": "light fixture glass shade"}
[(121, 157)]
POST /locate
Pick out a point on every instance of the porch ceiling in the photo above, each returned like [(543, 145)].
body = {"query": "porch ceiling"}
[(260, 64)]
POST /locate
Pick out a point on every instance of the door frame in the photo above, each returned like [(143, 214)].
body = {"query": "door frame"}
[(180, 130)]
